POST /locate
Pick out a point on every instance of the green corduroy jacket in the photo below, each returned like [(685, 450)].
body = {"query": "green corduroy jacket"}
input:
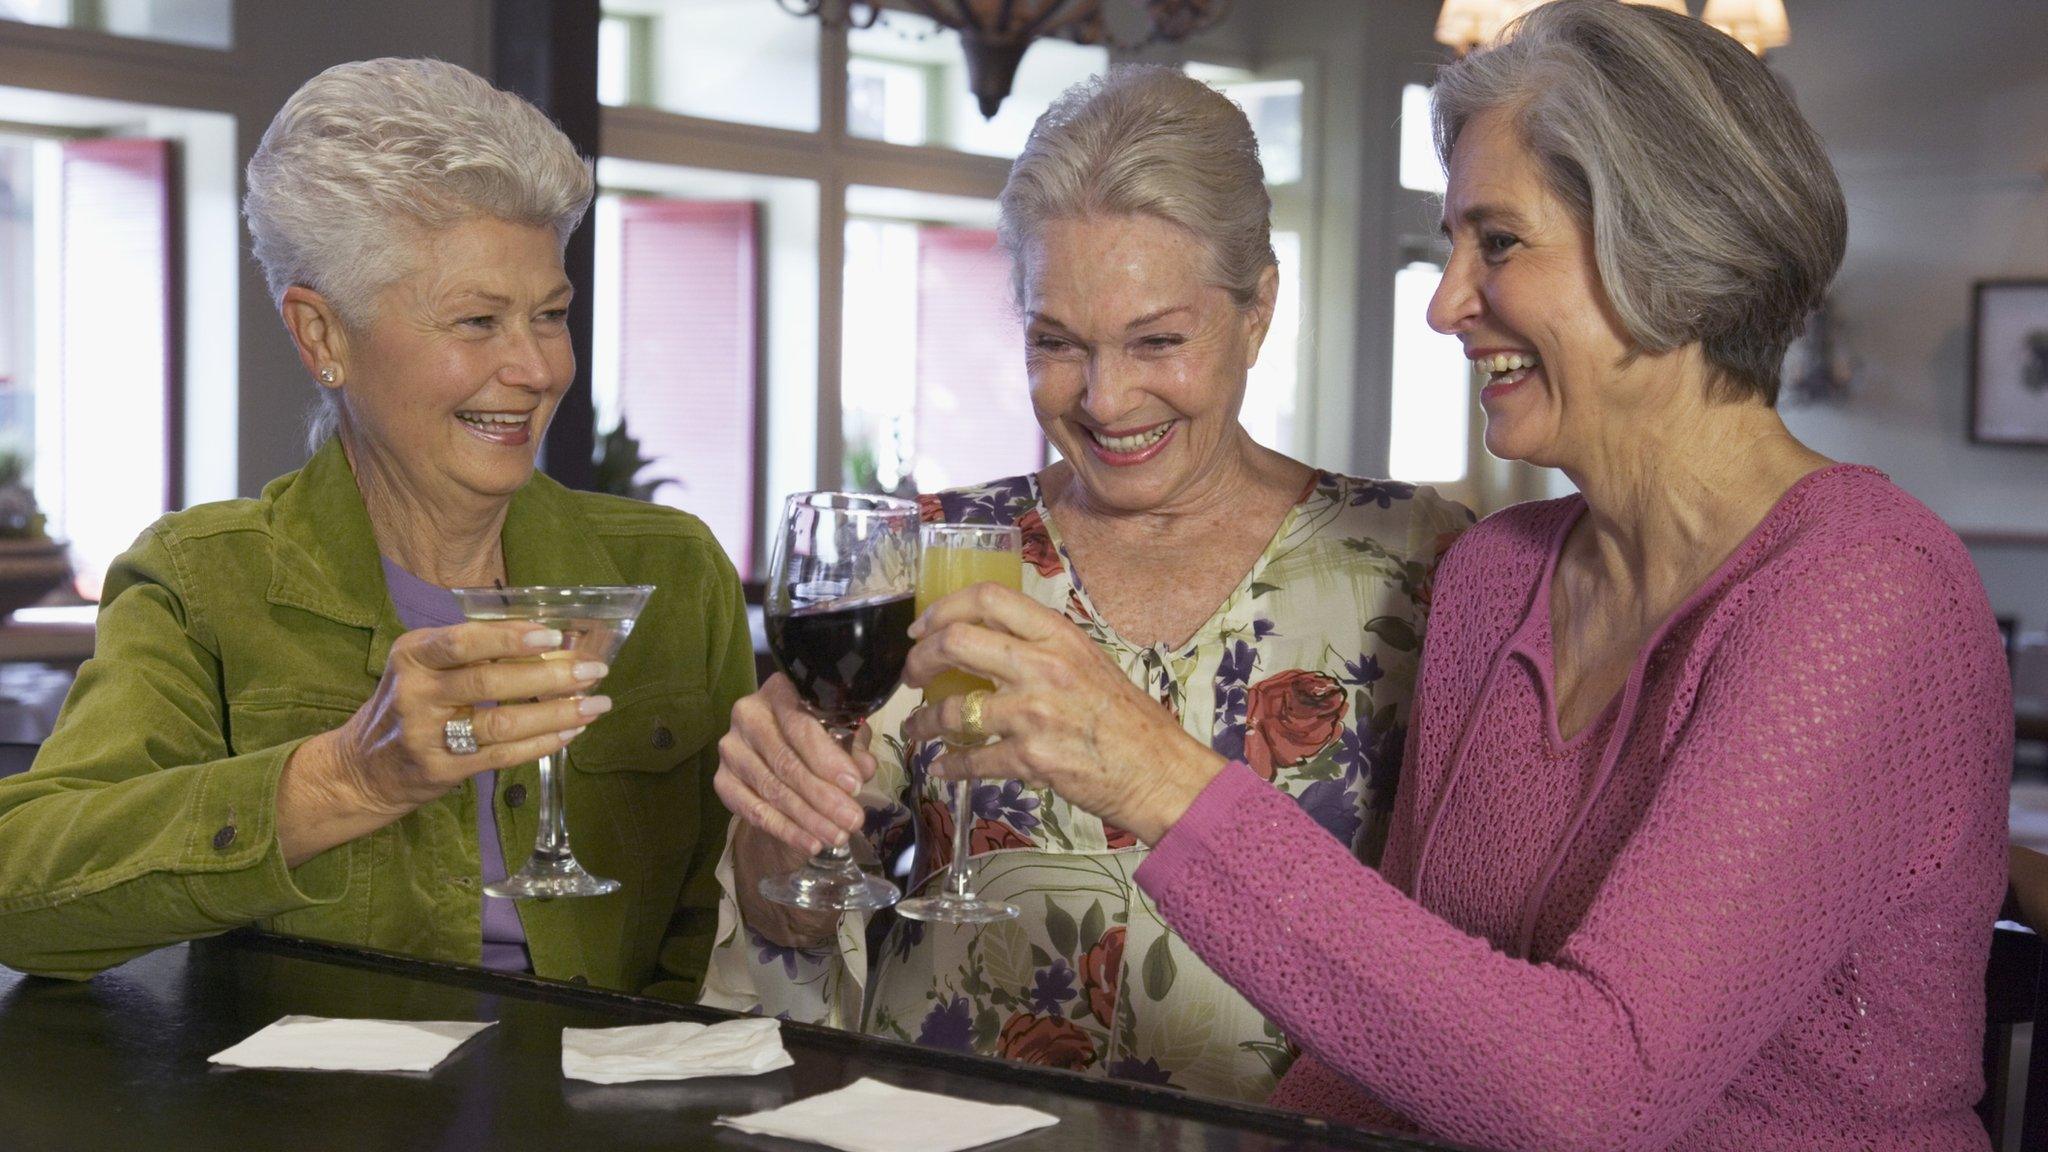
[(231, 632)]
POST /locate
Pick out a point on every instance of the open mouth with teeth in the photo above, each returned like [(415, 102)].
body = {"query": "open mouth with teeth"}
[(1504, 370), (498, 427), (1129, 448)]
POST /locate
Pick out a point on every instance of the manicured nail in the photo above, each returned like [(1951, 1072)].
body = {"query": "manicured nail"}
[(571, 734), (590, 670), (543, 638), (849, 784), (917, 628), (815, 846), (839, 841), (594, 705)]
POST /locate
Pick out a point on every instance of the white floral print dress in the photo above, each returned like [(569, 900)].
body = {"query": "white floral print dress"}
[(1304, 673)]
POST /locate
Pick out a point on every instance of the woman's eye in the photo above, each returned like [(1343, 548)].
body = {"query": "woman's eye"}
[(555, 316), (477, 321), (1161, 343), (1050, 344), (1495, 244)]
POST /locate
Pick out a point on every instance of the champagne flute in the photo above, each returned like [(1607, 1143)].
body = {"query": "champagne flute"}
[(841, 587), (594, 622), (952, 557)]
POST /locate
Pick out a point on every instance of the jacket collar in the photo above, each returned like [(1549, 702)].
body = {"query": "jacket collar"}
[(326, 560)]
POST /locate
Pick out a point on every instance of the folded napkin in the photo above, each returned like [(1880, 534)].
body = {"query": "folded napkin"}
[(677, 1051), (317, 1042), (870, 1116)]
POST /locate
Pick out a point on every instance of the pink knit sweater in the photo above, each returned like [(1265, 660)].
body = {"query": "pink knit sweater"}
[(1748, 908)]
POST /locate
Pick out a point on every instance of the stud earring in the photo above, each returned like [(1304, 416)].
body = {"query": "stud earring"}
[(327, 376)]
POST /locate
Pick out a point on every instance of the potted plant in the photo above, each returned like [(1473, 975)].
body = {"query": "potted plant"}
[(30, 562)]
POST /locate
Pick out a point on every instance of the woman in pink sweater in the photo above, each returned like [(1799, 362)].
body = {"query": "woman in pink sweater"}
[(1702, 829)]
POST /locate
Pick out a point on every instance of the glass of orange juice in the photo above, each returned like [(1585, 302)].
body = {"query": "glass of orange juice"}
[(952, 557)]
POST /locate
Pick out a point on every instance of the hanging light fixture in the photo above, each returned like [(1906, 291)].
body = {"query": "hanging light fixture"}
[(995, 34), (1759, 24)]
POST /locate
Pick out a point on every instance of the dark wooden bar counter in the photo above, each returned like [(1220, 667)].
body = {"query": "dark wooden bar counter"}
[(119, 1062)]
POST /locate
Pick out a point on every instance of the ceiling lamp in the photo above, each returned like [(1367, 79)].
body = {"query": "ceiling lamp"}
[(994, 34), (1759, 24)]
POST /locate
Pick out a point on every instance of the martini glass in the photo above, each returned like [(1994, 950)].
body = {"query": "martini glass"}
[(594, 623)]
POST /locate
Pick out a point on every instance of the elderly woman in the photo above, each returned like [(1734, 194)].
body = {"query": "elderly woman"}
[(1257, 605), (270, 731), (1701, 832)]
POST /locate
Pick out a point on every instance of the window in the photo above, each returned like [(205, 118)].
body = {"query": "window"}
[(1273, 105), (199, 23), (744, 61), (1431, 422), (907, 84), (1420, 169)]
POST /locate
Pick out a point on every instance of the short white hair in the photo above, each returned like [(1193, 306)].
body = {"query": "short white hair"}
[(366, 157), (1147, 140)]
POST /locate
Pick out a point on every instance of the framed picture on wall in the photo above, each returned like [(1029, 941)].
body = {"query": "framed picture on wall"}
[(2009, 362)]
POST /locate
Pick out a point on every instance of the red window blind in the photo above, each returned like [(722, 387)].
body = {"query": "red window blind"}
[(974, 419), (687, 372), (116, 388)]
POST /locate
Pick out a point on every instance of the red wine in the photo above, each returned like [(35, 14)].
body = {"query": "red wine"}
[(846, 657)]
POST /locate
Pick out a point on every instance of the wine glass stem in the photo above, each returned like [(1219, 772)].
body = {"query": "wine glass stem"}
[(838, 857), (962, 879), (551, 841)]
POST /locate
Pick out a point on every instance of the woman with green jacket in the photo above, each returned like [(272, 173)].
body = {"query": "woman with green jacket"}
[(285, 722)]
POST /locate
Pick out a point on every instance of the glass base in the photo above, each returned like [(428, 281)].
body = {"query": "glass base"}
[(819, 889), (545, 879), (952, 909)]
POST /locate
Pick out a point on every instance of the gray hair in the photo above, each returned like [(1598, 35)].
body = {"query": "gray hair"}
[(1146, 140), (365, 157), (1715, 214)]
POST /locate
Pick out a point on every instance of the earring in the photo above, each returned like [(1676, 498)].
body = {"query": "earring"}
[(327, 376)]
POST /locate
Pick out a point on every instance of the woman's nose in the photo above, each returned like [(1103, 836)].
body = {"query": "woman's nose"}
[(526, 361), (1456, 303), (1111, 392)]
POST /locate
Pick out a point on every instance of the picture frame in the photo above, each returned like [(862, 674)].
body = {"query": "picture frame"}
[(2009, 362)]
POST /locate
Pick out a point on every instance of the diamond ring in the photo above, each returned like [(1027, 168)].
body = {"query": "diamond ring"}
[(459, 735)]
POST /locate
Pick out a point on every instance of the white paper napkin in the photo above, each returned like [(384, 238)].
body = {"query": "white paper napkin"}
[(870, 1116), (675, 1051), (320, 1043)]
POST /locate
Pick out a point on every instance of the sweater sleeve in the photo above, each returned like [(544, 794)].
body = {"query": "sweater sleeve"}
[(137, 828), (1797, 805)]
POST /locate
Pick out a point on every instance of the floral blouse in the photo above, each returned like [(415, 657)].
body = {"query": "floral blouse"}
[(1304, 673)]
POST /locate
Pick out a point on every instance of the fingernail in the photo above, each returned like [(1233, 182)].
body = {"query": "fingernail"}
[(594, 705), (839, 841), (571, 734), (917, 628), (849, 783), (816, 846), (544, 638), (590, 670)]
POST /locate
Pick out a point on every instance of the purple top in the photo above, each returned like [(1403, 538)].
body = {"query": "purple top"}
[(424, 605)]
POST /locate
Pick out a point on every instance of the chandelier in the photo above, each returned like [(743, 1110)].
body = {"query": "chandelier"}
[(994, 34), (1760, 25)]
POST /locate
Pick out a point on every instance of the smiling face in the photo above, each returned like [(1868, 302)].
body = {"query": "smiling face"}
[(1522, 292), (450, 387), (1137, 362)]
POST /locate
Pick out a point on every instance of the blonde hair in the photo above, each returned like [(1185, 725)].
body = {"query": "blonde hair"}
[(1146, 140), (367, 156), (1715, 214)]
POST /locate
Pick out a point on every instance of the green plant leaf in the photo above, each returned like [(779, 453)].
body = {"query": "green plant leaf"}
[(1160, 969), (1060, 927), (1260, 588), (1398, 633), (1092, 926), (1039, 959), (988, 1024)]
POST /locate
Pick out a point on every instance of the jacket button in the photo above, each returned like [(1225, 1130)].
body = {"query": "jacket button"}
[(515, 796), (224, 837), (663, 738), (579, 978)]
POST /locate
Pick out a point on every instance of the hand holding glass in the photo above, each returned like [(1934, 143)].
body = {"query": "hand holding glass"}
[(839, 608), (594, 623), (952, 557)]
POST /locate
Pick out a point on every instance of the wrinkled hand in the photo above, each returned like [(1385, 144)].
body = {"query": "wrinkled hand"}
[(1068, 718), (393, 753), (781, 772)]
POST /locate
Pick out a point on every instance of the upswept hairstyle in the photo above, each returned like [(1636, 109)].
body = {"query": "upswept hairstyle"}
[(1715, 214), (1146, 140)]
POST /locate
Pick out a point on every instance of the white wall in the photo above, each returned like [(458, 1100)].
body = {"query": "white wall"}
[(1937, 118)]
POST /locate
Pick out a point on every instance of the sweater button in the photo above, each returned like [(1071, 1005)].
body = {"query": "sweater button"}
[(515, 796), (223, 838)]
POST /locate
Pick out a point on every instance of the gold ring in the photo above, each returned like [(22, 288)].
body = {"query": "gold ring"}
[(971, 731)]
